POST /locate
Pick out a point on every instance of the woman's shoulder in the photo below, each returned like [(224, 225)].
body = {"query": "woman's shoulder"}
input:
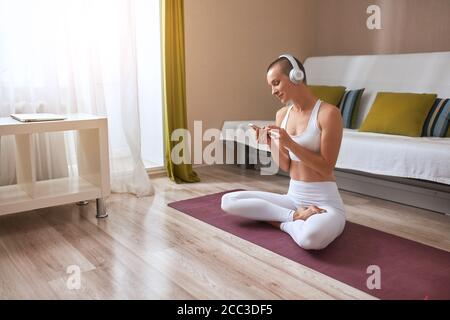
[(328, 113), (327, 109), (283, 110), (280, 115)]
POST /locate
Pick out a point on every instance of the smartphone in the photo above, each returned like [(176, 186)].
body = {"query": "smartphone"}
[(274, 134), (255, 127)]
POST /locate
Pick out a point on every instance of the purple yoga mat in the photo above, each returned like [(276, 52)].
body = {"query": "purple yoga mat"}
[(408, 269)]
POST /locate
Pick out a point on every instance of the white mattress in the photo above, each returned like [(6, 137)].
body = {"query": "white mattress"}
[(391, 155), (412, 72)]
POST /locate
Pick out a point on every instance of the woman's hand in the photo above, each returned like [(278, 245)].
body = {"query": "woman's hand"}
[(280, 134), (262, 135)]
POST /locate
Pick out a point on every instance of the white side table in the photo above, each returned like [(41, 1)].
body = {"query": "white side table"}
[(92, 160)]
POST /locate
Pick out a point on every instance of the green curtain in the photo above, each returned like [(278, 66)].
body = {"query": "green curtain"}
[(174, 85)]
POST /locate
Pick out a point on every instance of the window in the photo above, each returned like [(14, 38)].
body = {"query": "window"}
[(148, 35), (66, 56)]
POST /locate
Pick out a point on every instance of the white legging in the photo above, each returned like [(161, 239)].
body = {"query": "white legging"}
[(316, 232)]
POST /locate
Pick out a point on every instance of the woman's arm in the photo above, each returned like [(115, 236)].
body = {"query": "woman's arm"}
[(330, 121), (280, 155)]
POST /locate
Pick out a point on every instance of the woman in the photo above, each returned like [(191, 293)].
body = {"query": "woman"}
[(305, 142)]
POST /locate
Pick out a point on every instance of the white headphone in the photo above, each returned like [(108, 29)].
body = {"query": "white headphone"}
[(296, 75)]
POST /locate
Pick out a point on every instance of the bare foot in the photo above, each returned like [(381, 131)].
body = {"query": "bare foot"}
[(276, 224), (305, 213)]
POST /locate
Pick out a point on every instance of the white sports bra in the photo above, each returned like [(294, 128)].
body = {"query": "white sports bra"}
[(310, 138)]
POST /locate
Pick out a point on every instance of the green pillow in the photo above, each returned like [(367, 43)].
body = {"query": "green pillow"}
[(398, 113), (330, 94)]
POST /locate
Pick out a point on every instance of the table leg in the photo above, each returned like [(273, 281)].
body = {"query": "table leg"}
[(101, 208)]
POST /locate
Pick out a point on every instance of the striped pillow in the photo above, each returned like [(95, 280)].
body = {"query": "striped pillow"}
[(437, 122), (349, 107)]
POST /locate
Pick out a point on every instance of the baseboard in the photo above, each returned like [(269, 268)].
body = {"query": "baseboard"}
[(156, 172), (412, 192), (161, 171)]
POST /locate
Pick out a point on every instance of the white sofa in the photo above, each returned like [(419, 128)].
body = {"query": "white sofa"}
[(410, 170)]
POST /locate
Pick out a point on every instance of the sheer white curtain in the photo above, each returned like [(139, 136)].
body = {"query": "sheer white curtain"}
[(73, 56)]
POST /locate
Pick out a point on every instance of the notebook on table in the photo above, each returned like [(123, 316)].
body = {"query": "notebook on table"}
[(35, 117)]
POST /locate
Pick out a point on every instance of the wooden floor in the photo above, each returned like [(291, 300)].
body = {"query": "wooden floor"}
[(146, 250)]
